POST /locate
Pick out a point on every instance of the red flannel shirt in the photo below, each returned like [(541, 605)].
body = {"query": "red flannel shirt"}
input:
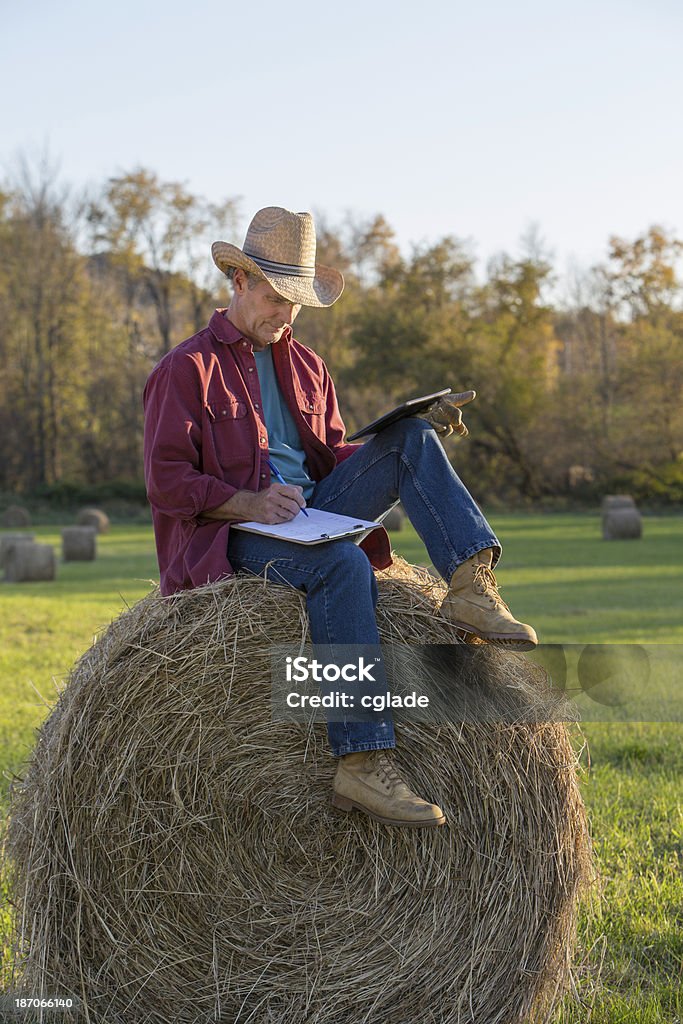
[(205, 439)]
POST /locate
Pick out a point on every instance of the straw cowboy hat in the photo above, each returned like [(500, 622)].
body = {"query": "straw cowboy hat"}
[(280, 248)]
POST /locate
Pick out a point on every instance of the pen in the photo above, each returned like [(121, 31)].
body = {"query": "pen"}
[(280, 479)]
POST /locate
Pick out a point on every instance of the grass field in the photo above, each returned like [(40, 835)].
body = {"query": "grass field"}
[(556, 573)]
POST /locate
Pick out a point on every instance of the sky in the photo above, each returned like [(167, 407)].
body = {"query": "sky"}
[(471, 120)]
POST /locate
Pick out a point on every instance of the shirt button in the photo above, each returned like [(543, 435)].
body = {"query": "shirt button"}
[(251, 369), (244, 344), (262, 440), (311, 406), (256, 405), (263, 476)]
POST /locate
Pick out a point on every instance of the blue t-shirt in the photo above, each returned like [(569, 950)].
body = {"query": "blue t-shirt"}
[(284, 443)]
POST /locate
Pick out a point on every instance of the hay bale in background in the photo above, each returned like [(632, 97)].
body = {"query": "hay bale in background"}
[(8, 541), (28, 563), (175, 855), (15, 516), (613, 501), (622, 524), (394, 519), (94, 517), (79, 543)]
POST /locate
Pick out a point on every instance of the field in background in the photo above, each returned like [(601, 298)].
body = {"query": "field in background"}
[(555, 573)]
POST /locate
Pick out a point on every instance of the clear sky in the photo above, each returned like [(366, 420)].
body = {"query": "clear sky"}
[(472, 119)]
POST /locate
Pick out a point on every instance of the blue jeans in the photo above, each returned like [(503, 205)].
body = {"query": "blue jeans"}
[(406, 463)]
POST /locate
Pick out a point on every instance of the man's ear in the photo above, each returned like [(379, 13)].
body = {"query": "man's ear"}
[(239, 281)]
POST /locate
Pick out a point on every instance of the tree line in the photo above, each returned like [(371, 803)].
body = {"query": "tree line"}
[(575, 395)]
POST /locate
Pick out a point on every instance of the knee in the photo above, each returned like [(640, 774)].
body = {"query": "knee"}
[(347, 572), (409, 433), (345, 565), (347, 559)]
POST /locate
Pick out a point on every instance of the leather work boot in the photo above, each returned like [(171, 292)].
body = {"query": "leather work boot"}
[(474, 604), (370, 782)]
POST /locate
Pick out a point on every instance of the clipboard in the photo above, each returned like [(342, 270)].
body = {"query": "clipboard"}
[(406, 409), (318, 527)]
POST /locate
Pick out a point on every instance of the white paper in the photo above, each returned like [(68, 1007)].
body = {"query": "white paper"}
[(315, 528)]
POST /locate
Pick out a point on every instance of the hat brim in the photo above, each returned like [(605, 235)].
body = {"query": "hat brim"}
[(322, 290)]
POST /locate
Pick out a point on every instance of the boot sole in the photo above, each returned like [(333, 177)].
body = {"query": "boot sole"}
[(343, 803), (518, 643)]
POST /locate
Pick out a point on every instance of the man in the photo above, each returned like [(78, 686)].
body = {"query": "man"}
[(243, 392)]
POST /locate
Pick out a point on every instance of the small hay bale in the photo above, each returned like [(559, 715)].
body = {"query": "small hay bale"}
[(622, 524), (28, 563), (394, 519), (613, 501), (8, 541), (175, 857), (15, 516), (79, 543), (94, 517)]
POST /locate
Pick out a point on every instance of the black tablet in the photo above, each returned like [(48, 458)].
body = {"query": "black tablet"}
[(407, 409)]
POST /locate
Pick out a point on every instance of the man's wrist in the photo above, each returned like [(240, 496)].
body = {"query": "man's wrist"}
[(235, 508)]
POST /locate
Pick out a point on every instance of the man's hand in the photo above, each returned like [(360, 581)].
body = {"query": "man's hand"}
[(445, 416), (276, 504)]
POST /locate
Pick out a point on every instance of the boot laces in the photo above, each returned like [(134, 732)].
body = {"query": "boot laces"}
[(485, 583), (385, 767)]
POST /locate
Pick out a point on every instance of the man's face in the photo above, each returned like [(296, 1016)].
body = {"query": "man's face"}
[(259, 312)]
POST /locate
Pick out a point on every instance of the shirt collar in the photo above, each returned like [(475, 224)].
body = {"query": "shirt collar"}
[(223, 329)]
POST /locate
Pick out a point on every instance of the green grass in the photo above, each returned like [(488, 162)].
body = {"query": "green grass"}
[(558, 574), (45, 627)]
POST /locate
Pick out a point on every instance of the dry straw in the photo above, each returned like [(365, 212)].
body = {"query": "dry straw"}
[(14, 516), (29, 562), (94, 517), (79, 543), (175, 857), (9, 541), (622, 524)]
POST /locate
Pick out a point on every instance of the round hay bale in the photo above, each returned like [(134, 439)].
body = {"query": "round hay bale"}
[(613, 501), (394, 519), (175, 856), (15, 516), (79, 543), (28, 563), (622, 524), (94, 517), (8, 541)]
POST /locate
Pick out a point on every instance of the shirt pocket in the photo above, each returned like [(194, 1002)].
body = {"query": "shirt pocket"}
[(312, 408), (231, 432), (227, 409), (312, 405)]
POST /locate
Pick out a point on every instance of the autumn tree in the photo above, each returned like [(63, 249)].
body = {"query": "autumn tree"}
[(159, 235), (644, 280), (514, 359), (41, 280)]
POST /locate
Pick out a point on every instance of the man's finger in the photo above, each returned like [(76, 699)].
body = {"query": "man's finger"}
[(288, 510), (462, 398), (447, 415), (292, 492)]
